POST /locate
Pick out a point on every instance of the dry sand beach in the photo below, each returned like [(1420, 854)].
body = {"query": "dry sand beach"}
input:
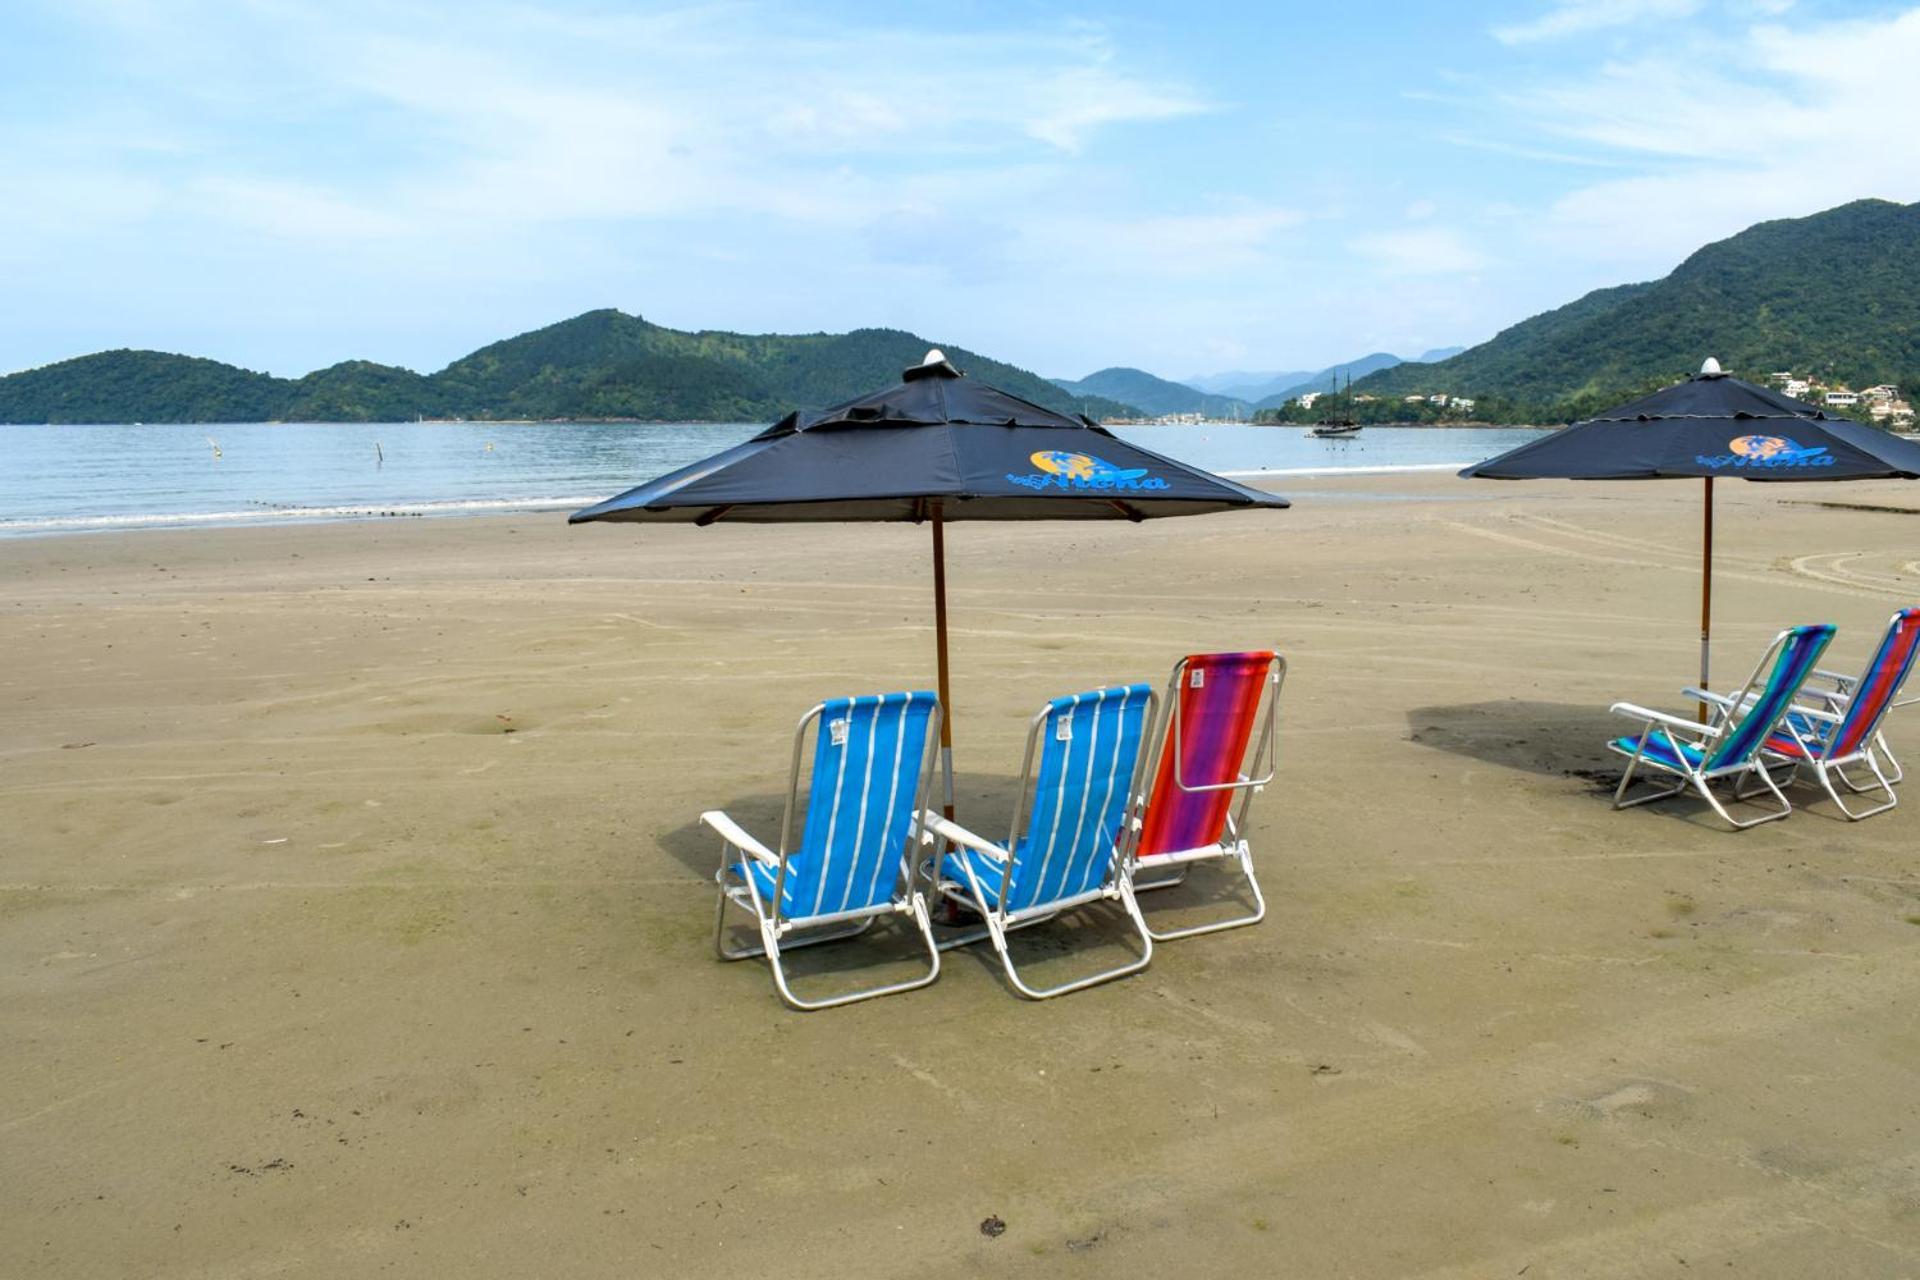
[(353, 918)]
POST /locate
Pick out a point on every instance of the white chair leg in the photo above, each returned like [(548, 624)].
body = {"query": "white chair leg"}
[(1705, 788), (918, 910), (1895, 773), (997, 931), (1829, 772), (1244, 856)]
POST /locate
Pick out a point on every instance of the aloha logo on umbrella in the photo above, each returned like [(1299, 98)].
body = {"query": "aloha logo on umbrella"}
[(1059, 469), (1767, 452)]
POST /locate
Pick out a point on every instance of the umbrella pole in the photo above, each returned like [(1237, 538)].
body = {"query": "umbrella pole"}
[(1706, 597), (940, 650)]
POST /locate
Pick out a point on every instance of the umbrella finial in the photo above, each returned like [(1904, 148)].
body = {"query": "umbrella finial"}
[(934, 365), (1710, 368)]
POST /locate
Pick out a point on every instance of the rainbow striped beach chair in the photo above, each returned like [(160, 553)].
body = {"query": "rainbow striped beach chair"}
[(1728, 745), (873, 759), (1201, 764), (1838, 722), (1063, 850)]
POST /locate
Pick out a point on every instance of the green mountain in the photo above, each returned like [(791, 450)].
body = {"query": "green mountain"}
[(1328, 378), (1155, 395), (1836, 295), (1246, 384), (604, 364)]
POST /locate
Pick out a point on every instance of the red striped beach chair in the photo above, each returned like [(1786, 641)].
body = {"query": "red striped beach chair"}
[(1204, 771), (1838, 720)]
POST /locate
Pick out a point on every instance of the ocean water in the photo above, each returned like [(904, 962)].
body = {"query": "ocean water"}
[(87, 478)]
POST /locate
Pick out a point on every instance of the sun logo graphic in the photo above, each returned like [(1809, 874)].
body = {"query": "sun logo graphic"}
[(1062, 469), (1767, 453), (1762, 446)]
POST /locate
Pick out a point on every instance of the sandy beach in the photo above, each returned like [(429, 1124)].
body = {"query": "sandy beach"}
[(354, 919)]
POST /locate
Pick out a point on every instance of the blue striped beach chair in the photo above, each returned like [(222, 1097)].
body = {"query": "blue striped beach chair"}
[(873, 760), (1728, 745), (1063, 848)]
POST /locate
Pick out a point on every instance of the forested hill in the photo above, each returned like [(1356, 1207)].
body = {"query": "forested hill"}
[(604, 364), (1153, 394), (1835, 295)]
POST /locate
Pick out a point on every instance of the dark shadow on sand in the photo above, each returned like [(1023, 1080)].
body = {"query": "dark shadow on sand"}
[(1554, 739)]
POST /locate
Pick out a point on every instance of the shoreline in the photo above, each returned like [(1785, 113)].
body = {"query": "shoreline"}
[(266, 517)]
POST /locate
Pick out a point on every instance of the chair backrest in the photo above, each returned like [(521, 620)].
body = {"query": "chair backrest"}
[(1075, 801), (872, 758), (1794, 653), (1879, 684), (1213, 701)]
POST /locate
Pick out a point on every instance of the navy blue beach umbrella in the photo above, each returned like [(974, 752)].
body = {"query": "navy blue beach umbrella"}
[(1709, 427), (935, 448)]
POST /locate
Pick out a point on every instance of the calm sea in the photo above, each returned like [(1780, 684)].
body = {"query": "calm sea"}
[(80, 478)]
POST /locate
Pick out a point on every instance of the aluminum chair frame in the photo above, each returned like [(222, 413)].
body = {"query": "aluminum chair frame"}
[(1729, 717), (1234, 843), (1839, 696), (996, 920), (779, 931), (1831, 707)]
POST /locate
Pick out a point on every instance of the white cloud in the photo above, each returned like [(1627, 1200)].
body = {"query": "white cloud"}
[(1802, 120), (1581, 17), (1420, 251)]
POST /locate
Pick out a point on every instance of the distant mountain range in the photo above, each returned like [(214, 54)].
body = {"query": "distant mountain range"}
[(1154, 395), (1255, 388), (1835, 295), (603, 364), (1226, 395), (1243, 384)]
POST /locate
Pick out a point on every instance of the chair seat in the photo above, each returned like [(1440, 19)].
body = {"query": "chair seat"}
[(1812, 731), (1659, 752), (764, 876), (986, 868)]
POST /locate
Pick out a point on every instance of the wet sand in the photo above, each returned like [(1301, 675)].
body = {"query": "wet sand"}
[(353, 918)]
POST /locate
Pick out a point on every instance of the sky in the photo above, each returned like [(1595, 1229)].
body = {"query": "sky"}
[(283, 184)]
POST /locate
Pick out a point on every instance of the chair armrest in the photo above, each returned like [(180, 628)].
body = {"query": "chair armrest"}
[(1633, 711), (932, 823), (1844, 683), (1706, 695), (734, 834), (1814, 713)]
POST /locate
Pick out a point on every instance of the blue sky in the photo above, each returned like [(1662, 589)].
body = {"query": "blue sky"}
[(283, 184)]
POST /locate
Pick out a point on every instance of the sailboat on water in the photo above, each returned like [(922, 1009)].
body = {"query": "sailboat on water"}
[(1331, 428)]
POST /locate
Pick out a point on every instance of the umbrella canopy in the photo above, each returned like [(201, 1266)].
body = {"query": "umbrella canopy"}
[(937, 438), (936, 447), (1709, 426)]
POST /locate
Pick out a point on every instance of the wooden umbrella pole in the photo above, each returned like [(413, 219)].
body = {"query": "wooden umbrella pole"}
[(1706, 598), (940, 650)]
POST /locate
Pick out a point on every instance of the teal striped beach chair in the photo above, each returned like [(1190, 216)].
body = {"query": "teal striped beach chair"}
[(1081, 770), (873, 761), (1727, 747)]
